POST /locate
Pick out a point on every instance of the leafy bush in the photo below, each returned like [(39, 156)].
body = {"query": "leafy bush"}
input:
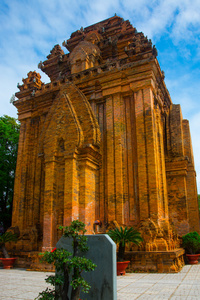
[(191, 242)]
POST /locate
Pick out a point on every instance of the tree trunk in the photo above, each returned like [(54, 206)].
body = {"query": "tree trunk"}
[(4, 251), (121, 252), (66, 284), (76, 293)]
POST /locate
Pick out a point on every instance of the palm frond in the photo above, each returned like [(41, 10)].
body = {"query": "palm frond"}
[(124, 236), (8, 237), (120, 235)]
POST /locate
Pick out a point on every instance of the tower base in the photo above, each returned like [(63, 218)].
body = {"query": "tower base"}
[(155, 261)]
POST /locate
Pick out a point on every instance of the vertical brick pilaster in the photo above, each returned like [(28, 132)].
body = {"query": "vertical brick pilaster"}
[(187, 143), (37, 191), (71, 190), (193, 210), (32, 152), (176, 131), (130, 163), (111, 192), (151, 153), (49, 204), (87, 192), (102, 212), (177, 195), (142, 156), (177, 169), (119, 131), (160, 158)]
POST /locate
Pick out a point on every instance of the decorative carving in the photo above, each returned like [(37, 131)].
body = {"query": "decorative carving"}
[(93, 37), (139, 44), (158, 237), (84, 56), (32, 81), (56, 51), (154, 51), (149, 230), (115, 39)]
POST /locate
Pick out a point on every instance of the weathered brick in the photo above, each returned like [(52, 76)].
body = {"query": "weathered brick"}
[(103, 141)]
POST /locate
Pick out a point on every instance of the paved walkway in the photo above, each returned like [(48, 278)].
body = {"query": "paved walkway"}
[(26, 285)]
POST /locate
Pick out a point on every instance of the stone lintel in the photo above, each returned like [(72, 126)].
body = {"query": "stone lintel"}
[(24, 106), (25, 98), (176, 173), (24, 94), (89, 161), (130, 71), (142, 84), (134, 85), (176, 168), (114, 86), (24, 115), (90, 151)]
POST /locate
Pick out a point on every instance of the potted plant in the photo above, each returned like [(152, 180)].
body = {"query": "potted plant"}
[(122, 237), (191, 244), (5, 238)]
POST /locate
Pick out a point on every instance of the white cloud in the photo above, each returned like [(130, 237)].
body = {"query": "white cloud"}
[(30, 29), (187, 21), (195, 134), (183, 91)]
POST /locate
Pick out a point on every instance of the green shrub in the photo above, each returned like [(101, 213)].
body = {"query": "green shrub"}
[(191, 242)]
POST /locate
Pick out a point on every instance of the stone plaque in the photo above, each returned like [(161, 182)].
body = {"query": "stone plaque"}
[(103, 280)]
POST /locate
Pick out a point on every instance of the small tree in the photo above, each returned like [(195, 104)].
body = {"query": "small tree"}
[(5, 238), (68, 265), (9, 135), (124, 236)]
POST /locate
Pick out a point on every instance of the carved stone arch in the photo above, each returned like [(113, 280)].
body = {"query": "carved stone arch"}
[(70, 106), (85, 115), (70, 142), (61, 121)]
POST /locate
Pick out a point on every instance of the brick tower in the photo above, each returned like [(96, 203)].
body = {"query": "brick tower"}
[(103, 141)]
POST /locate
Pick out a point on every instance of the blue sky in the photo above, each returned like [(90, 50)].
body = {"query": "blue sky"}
[(30, 28)]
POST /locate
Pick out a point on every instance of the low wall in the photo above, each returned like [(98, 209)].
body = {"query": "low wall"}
[(155, 261), (140, 261)]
